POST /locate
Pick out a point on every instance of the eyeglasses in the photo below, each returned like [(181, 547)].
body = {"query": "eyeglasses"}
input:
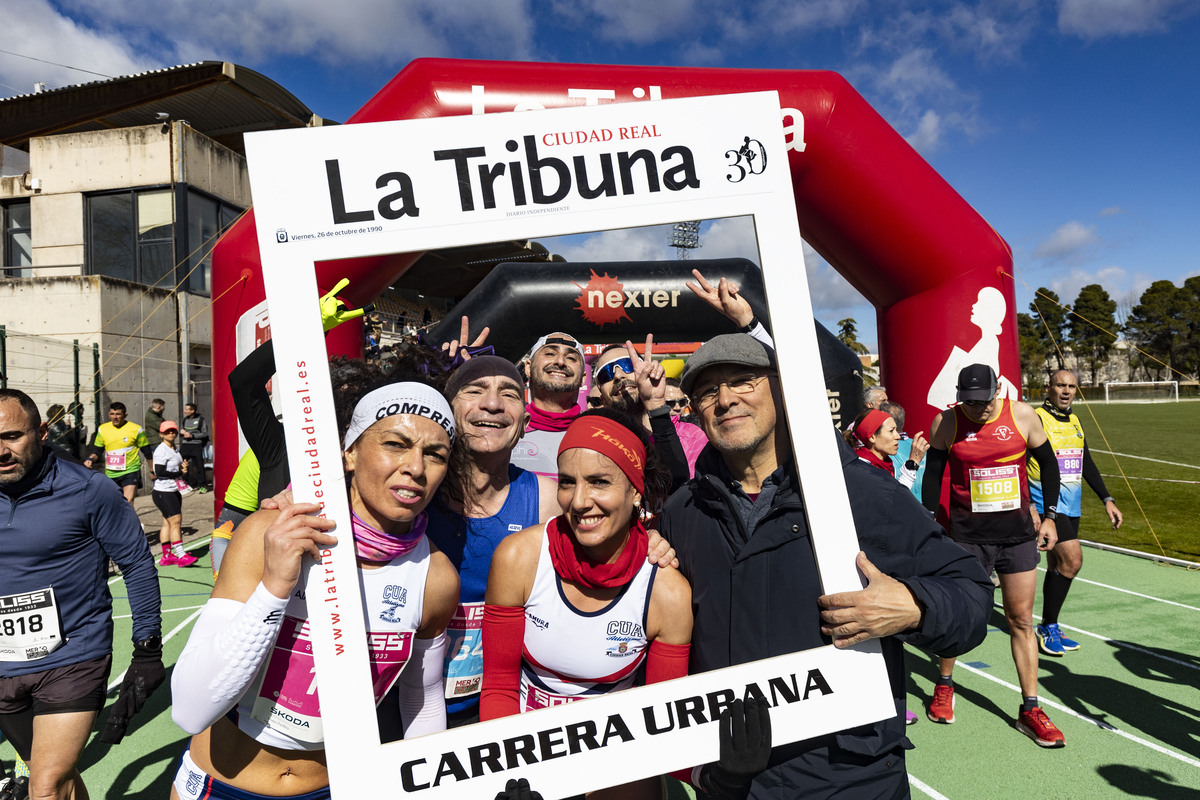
[(609, 371), (679, 403), (739, 384)]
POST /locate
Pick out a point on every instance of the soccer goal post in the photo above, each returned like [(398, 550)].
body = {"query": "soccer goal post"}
[(1141, 392)]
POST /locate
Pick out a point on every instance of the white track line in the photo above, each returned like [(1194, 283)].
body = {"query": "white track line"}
[(1130, 591), (191, 546), (1123, 644), (1102, 725), (166, 639), (1146, 458), (926, 789)]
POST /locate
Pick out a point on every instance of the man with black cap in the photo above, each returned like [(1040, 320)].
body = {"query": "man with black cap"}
[(555, 371), (984, 438), (743, 541)]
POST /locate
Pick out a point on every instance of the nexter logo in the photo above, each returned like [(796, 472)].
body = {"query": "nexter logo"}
[(604, 299)]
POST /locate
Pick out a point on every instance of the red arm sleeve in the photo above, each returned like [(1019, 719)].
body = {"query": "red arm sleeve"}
[(503, 637), (665, 662)]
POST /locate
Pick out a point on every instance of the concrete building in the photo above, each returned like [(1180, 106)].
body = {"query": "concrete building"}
[(112, 196)]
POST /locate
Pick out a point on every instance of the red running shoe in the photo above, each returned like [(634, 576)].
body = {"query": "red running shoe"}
[(941, 708), (1037, 726)]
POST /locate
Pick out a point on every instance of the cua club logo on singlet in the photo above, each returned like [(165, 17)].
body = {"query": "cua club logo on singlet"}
[(394, 597)]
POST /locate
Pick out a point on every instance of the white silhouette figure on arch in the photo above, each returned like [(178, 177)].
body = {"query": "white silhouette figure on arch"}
[(987, 314)]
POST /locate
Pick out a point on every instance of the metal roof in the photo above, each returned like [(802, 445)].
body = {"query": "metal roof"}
[(217, 98)]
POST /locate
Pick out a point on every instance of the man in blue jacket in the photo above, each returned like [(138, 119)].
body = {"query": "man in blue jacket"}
[(61, 524), (743, 542)]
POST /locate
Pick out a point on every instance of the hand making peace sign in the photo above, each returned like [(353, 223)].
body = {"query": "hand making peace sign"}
[(650, 376)]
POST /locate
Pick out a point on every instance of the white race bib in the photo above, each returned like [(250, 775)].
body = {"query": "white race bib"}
[(29, 627)]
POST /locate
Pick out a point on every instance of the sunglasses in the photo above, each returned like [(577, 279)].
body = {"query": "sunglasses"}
[(681, 403), (594, 402), (976, 403), (609, 371)]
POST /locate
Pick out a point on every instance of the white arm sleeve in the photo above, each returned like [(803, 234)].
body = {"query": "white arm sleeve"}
[(907, 477), (759, 332), (227, 647), (422, 693)]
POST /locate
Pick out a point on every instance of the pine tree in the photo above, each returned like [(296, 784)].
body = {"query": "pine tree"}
[(1093, 326), (1051, 318)]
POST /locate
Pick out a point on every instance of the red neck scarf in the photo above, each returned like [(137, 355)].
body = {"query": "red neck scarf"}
[(572, 564), (868, 455), (542, 420)]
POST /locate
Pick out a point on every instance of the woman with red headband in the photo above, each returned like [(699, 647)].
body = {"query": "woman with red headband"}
[(875, 439), (579, 578)]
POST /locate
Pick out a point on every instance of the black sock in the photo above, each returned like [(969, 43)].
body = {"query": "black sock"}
[(945, 680), (1029, 704), (1054, 594)]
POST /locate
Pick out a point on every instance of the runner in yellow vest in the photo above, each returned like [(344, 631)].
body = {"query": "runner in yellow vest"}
[(117, 442)]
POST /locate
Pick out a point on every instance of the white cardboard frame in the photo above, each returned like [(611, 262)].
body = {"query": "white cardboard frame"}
[(572, 748)]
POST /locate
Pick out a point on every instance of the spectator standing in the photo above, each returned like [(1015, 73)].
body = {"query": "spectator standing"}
[(873, 396), (193, 438), (64, 523), (910, 453), (742, 535), (151, 425)]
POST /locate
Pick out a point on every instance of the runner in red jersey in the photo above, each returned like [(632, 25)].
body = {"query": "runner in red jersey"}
[(985, 440)]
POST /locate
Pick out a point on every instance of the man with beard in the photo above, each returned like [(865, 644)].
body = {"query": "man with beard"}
[(555, 373), (637, 385), (63, 523)]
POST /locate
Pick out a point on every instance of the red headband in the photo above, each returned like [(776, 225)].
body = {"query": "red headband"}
[(611, 439), (871, 423)]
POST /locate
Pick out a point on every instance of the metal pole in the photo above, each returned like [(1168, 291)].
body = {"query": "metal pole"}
[(76, 407), (3, 357), (96, 382), (185, 347)]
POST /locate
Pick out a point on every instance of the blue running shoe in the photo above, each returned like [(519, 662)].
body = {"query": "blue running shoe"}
[(1050, 640), (1067, 644)]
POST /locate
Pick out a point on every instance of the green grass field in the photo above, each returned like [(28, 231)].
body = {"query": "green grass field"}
[(1160, 517)]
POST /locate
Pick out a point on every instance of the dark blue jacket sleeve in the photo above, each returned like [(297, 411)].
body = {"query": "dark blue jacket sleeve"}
[(116, 526)]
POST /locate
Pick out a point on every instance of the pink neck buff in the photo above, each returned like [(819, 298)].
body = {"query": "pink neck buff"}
[(372, 544), (543, 420)]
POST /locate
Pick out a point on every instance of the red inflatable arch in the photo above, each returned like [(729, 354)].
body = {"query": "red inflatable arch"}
[(937, 273)]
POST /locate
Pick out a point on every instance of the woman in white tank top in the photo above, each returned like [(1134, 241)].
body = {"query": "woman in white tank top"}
[(572, 608), (259, 730)]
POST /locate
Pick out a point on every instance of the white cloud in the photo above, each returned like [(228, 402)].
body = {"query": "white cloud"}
[(343, 32), (35, 28), (1068, 243), (1093, 19), (1115, 280), (626, 244), (1111, 211)]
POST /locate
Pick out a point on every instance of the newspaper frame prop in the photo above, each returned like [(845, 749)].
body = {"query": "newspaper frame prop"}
[(356, 190)]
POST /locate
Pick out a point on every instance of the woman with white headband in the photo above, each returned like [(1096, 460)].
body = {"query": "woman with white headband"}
[(243, 685)]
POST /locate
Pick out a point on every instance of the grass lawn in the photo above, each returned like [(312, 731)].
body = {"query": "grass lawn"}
[(1160, 517)]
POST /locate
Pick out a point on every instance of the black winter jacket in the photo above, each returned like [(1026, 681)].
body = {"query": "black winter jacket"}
[(759, 599)]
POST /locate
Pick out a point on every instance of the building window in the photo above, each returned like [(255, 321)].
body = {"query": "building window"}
[(131, 236), (16, 248), (208, 218)]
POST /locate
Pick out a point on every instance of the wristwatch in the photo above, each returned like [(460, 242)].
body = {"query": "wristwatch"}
[(1050, 514)]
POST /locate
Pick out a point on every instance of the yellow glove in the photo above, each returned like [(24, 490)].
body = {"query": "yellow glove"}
[(334, 311)]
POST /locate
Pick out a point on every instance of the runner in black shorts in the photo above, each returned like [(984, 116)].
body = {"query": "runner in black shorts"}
[(984, 439)]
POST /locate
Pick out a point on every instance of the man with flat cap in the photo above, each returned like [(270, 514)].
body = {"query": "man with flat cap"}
[(744, 544), (984, 439)]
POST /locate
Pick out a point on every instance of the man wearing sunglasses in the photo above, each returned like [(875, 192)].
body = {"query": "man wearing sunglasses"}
[(984, 440), (637, 385), (555, 371)]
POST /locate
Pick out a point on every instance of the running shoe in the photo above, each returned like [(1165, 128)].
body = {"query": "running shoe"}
[(1067, 644), (185, 560), (1050, 640), (168, 560), (1037, 726), (941, 708), (910, 718)]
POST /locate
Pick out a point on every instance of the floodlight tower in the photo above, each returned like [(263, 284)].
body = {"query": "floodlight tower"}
[(685, 237)]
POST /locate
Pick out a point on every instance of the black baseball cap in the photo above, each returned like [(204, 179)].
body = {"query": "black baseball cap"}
[(976, 383)]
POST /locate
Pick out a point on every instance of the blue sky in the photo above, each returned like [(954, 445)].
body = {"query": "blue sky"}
[(1071, 125)]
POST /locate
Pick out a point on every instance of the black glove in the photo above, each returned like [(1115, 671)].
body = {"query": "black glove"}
[(745, 749), (518, 790), (145, 674)]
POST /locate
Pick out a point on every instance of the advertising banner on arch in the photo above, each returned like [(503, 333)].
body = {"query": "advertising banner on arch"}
[(597, 173)]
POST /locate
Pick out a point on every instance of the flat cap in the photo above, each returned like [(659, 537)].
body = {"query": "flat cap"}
[(741, 349)]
